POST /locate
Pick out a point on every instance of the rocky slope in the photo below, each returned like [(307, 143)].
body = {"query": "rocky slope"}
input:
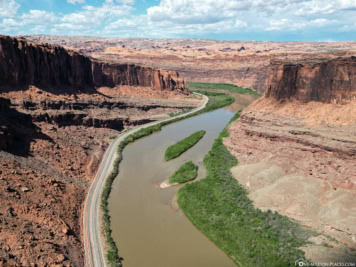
[(26, 63), (297, 152), (51, 146), (56, 120)]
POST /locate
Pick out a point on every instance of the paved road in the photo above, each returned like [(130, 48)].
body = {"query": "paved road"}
[(93, 243)]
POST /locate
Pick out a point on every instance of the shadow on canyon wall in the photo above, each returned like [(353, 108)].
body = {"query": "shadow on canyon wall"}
[(17, 130)]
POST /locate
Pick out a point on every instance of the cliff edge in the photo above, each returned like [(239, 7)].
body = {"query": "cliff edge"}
[(23, 63), (325, 80), (297, 151)]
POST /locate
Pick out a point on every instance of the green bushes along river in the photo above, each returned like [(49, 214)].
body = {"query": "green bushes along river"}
[(187, 172), (219, 207), (216, 100)]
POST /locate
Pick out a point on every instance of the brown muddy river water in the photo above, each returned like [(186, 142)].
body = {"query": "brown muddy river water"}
[(147, 224)]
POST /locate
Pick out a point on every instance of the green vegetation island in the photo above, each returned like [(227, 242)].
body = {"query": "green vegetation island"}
[(179, 148), (186, 173)]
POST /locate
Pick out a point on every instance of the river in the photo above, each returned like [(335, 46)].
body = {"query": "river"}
[(147, 224)]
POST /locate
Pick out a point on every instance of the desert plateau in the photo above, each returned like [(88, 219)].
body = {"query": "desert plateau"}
[(177, 133)]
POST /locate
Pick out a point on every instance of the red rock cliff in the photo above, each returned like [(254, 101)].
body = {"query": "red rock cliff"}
[(322, 80), (27, 63), (108, 74)]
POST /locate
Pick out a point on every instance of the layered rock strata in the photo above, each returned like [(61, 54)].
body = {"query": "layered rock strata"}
[(50, 149), (313, 80), (25, 63), (244, 63), (57, 117), (297, 152)]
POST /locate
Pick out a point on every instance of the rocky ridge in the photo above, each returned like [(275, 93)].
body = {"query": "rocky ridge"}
[(244, 63), (297, 151), (313, 80), (23, 63)]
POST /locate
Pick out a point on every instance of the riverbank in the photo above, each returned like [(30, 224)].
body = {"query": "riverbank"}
[(51, 148), (216, 100), (219, 207)]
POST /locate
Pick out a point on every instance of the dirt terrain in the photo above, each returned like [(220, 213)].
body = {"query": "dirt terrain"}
[(44, 180), (59, 111), (243, 63), (297, 153)]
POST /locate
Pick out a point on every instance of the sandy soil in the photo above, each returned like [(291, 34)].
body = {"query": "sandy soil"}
[(302, 165)]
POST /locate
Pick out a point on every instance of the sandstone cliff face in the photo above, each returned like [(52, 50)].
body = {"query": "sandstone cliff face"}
[(26, 63), (105, 74), (324, 81), (296, 149)]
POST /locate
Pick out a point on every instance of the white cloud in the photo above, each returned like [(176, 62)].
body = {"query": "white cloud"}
[(126, 2), (37, 19), (197, 12), (8, 8), (174, 18), (288, 25), (93, 17), (9, 24), (76, 1), (259, 15), (347, 4), (141, 26)]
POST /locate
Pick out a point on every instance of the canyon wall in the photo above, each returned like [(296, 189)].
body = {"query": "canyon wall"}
[(27, 63), (109, 74), (4, 136), (297, 151), (322, 80), (16, 128)]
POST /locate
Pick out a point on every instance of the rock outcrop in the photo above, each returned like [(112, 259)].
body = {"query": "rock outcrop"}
[(109, 74), (51, 146), (297, 150), (5, 137), (16, 129), (322, 80), (27, 63)]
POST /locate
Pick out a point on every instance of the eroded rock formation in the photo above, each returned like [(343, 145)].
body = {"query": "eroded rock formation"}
[(323, 80), (108, 74), (16, 129), (50, 148), (244, 63), (297, 151), (52, 139), (27, 63)]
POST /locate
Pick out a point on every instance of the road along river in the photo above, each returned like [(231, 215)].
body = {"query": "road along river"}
[(147, 224)]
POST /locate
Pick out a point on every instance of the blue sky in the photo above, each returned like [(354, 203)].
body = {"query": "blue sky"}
[(262, 20)]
